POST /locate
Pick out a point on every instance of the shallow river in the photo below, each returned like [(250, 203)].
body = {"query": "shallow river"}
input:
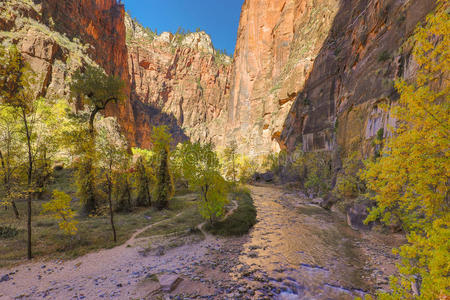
[(302, 251)]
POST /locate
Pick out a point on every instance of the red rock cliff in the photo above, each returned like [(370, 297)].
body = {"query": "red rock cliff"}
[(57, 37), (312, 72), (99, 23), (179, 81)]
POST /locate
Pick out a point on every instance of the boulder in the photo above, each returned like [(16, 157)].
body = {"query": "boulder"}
[(169, 282), (356, 214), (268, 176), (5, 278), (328, 201)]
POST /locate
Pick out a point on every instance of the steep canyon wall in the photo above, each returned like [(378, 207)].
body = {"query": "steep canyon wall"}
[(313, 72), (177, 80), (57, 37)]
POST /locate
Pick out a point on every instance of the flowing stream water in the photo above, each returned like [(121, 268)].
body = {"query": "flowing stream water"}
[(302, 251)]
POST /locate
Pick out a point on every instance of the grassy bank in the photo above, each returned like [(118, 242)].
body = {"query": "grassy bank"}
[(240, 221), (93, 233), (185, 217)]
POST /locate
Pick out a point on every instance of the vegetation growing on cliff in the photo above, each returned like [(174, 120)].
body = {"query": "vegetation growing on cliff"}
[(410, 179)]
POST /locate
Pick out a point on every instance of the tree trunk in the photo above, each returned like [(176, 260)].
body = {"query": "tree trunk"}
[(148, 194), (16, 211), (111, 212), (29, 174), (6, 181), (91, 121)]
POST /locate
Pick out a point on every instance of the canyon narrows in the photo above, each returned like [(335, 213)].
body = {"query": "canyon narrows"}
[(144, 165)]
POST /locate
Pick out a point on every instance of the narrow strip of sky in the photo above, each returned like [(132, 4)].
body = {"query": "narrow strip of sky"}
[(218, 18)]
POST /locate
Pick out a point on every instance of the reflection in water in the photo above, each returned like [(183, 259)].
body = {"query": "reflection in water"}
[(301, 252)]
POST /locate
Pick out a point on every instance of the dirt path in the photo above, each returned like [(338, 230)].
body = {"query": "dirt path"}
[(209, 236)]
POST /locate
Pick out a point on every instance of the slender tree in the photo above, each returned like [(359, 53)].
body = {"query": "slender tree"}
[(161, 140), (201, 168), (142, 183), (10, 156), (97, 90), (15, 92), (230, 156), (112, 148)]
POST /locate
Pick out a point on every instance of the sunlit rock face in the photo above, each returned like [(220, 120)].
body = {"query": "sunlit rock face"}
[(277, 44), (303, 72), (57, 37), (177, 80), (100, 24), (314, 73)]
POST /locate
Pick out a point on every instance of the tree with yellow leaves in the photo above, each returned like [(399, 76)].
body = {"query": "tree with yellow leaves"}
[(59, 208), (410, 180)]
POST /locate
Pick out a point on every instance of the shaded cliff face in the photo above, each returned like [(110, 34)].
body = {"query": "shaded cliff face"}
[(276, 47), (314, 73), (179, 81), (354, 72), (57, 37)]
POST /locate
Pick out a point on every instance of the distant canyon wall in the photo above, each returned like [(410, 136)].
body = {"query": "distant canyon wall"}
[(179, 81)]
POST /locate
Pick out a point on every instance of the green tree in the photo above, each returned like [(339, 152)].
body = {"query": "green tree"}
[(113, 154), (95, 89), (231, 161), (201, 168), (16, 92), (59, 207), (143, 180), (161, 140), (410, 180), (10, 157)]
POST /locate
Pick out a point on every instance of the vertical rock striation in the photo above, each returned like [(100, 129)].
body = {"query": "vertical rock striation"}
[(180, 81), (365, 51), (277, 44), (314, 72), (99, 23), (304, 71)]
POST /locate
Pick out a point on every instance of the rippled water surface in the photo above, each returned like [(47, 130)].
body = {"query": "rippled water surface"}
[(301, 251)]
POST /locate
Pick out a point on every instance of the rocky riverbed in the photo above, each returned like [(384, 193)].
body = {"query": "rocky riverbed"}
[(295, 251)]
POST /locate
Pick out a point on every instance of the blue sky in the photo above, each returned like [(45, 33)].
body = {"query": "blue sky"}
[(219, 18)]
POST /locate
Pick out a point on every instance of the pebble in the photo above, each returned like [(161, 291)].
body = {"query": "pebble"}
[(5, 278)]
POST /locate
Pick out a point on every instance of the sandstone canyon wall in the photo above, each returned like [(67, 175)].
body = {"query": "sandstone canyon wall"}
[(309, 72), (313, 72), (57, 37), (354, 72), (177, 80), (276, 47)]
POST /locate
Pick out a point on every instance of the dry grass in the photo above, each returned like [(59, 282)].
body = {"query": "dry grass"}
[(93, 233)]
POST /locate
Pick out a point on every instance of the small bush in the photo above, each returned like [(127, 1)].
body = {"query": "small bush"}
[(384, 56), (7, 232), (240, 221)]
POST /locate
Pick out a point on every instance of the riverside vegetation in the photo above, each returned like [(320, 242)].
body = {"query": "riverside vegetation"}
[(72, 184)]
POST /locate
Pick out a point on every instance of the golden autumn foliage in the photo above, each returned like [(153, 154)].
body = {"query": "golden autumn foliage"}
[(410, 180), (59, 208)]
